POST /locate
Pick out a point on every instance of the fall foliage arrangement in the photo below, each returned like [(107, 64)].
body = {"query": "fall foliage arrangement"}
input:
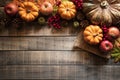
[(100, 19)]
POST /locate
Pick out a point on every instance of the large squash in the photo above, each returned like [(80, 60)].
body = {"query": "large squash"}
[(93, 34), (103, 12), (67, 10), (28, 11)]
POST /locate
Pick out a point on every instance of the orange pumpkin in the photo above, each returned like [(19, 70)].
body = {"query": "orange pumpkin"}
[(67, 10), (93, 34), (28, 11)]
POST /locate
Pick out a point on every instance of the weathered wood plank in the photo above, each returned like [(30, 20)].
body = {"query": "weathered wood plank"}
[(49, 57), (36, 43), (69, 72), (38, 30)]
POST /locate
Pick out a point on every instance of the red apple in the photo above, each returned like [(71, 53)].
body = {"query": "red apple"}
[(113, 33), (46, 8), (11, 9), (106, 46)]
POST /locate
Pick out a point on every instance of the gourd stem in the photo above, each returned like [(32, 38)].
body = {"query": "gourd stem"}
[(94, 35), (28, 11), (67, 9), (104, 4)]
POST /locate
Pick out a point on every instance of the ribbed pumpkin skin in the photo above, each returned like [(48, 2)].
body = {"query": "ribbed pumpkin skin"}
[(67, 10), (93, 34), (103, 12), (28, 11)]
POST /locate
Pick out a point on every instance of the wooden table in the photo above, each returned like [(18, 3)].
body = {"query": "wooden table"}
[(40, 52)]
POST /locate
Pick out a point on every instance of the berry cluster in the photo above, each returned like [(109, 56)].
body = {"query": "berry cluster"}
[(58, 3), (78, 4), (54, 21), (105, 31)]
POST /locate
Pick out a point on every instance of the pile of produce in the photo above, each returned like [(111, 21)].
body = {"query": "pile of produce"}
[(100, 19), (105, 14)]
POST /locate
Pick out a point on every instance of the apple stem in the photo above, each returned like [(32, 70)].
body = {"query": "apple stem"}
[(107, 45), (46, 6)]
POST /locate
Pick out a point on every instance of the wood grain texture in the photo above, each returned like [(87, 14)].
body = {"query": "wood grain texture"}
[(36, 43), (40, 52), (38, 30), (67, 72), (50, 58)]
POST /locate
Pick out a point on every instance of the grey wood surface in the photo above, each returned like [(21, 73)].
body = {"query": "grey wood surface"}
[(50, 58), (36, 43), (40, 52), (66, 72)]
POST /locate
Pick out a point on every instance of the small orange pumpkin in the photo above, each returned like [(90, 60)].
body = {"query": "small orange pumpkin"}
[(28, 11), (93, 34), (67, 10)]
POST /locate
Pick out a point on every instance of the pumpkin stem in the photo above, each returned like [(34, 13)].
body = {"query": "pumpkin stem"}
[(28, 11), (94, 35), (104, 4), (67, 9)]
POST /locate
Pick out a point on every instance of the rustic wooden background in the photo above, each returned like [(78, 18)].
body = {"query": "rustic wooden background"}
[(40, 52)]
